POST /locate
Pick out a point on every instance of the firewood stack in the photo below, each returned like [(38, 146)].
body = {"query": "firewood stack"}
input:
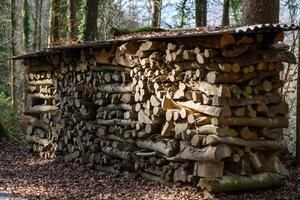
[(205, 112)]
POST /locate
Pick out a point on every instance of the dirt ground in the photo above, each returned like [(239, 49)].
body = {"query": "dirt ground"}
[(30, 177)]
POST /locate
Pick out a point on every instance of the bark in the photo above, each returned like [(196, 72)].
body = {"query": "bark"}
[(54, 22), (72, 20), (39, 37), (90, 31), (260, 12), (225, 16), (201, 13), (298, 108), (13, 52), (155, 12), (36, 25), (26, 24)]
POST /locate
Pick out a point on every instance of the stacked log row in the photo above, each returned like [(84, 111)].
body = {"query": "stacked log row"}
[(204, 112), (42, 107)]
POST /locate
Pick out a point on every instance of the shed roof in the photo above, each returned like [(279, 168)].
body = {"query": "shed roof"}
[(168, 34)]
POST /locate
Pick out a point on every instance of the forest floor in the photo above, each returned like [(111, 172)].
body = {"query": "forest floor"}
[(28, 177)]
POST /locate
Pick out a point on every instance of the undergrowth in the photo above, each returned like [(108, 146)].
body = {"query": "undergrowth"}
[(9, 119)]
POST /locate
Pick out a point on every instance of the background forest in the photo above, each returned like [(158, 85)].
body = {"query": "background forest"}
[(30, 29)]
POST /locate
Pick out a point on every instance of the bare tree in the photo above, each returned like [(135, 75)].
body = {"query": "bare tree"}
[(155, 12), (13, 52), (260, 11), (201, 13), (72, 20), (90, 30), (54, 22), (225, 16)]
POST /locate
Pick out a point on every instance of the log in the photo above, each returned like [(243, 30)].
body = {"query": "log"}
[(122, 122), (226, 40), (158, 146), (42, 108), (114, 88), (41, 82), (102, 57), (234, 50), (121, 106), (212, 90), (269, 98), (149, 45), (218, 77), (257, 56), (209, 169), (211, 129), (276, 122), (255, 144), (109, 68), (231, 183), (211, 153), (35, 140), (224, 111)]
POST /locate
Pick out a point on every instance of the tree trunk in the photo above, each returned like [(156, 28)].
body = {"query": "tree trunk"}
[(260, 12), (155, 12), (91, 20), (182, 14), (201, 13), (26, 24), (298, 108), (39, 37), (54, 22), (36, 26), (72, 20), (13, 52), (225, 16)]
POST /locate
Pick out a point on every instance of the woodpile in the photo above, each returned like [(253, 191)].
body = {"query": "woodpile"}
[(199, 112)]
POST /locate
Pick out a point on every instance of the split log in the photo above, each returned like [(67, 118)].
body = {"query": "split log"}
[(212, 90), (211, 153), (209, 169)]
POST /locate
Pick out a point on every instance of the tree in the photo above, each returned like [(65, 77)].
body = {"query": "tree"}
[(54, 22), (201, 13), (182, 13), (90, 25), (298, 107), (72, 20), (26, 24), (225, 16), (155, 12), (13, 52), (260, 11)]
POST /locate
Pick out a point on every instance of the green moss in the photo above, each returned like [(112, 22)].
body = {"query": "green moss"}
[(123, 31)]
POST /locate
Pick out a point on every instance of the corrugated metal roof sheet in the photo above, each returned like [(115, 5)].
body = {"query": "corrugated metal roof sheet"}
[(174, 33)]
